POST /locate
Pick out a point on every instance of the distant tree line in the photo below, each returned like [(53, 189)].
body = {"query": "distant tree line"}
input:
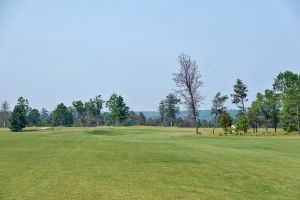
[(278, 107), (79, 114)]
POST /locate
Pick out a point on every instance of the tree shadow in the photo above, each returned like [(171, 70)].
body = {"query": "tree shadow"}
[(29, 130), (105, 132)]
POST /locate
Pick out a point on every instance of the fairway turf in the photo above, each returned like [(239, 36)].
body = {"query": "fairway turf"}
[(146, 163)]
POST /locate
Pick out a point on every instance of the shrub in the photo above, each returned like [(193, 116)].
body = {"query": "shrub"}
[(242, 125)]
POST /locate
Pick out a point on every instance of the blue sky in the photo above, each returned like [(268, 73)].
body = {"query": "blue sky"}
[(59, 51)]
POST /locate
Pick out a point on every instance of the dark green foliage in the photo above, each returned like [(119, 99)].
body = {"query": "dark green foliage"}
[(240, 95), (225, 121), (273, 107), (203, 123), (218, 107), (88, 113), (260, 112), (171, 108), (18, 118), (162, 112), (242, 125), (93, 110), (168, 109), (255, 116), (131, 120), (80, 113), (111, 102), (34, 118), (45, 118), (119, 111), (135, 119), (287, 84), (61, 116)]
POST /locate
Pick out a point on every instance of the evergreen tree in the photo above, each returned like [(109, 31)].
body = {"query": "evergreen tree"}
[(240, 95), (171, 108), (45, 117), (61, 116), (242, 125), (18, 118), (225, 121), (34, 118), (218, 107), (162, 112)]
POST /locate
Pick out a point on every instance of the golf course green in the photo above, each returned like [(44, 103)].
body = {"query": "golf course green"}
[(146, 163)]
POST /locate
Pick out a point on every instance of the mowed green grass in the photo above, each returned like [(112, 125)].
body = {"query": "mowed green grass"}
[(146, 163)]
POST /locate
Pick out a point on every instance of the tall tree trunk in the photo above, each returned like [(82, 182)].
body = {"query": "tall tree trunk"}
[(171, 122), (215, 124), (196, 125), (298, 120), (243, 106)]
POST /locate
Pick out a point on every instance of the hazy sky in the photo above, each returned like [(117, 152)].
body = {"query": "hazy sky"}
[(59, 51)]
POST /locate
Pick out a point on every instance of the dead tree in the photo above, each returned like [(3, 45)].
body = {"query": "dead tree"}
[(5, 111), (188, 83)]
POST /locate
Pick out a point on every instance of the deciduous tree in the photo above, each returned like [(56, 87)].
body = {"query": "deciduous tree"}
[(119, 111), (188, 82), (287, 84), (80, 112)]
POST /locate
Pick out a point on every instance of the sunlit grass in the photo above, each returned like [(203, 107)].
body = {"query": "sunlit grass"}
[(146, 163)]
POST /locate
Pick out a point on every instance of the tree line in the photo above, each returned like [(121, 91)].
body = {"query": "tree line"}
[(275, 107), (79, 114), (278, 107)]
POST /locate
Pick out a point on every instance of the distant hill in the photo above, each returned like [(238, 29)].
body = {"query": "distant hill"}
[(204, 114)]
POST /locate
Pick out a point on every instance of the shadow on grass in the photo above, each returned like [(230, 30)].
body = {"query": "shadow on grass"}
[(113, 132), (105, 132), (30, 130)]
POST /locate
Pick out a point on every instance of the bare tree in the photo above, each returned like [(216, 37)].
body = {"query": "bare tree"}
[(5, 110), (188, 82)]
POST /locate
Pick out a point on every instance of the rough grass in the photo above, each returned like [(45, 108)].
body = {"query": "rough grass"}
[(146, 163)]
